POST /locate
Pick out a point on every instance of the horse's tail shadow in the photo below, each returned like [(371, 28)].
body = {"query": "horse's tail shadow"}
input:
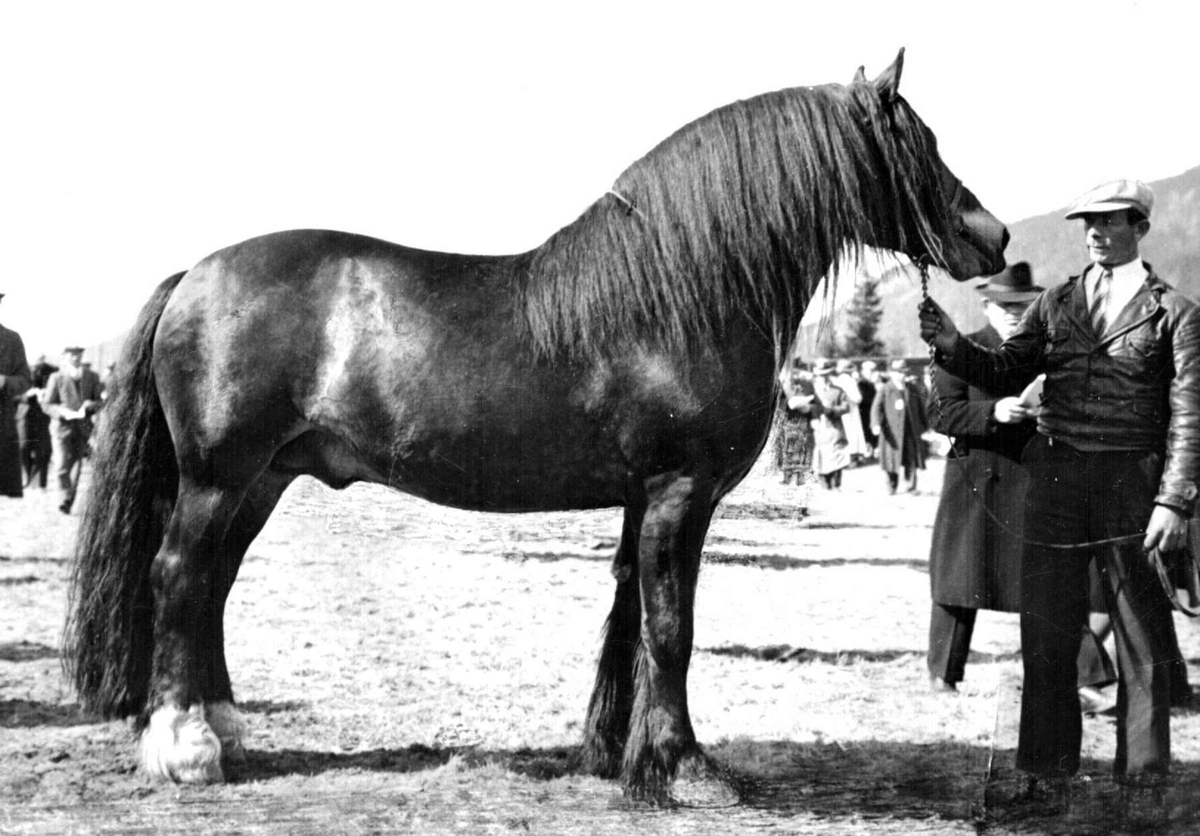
[(108, 638)]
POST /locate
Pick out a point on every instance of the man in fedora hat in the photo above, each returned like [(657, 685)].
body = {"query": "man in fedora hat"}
[(73, 396), (975, 552), (14, 382), (831, 454), (898, 420), (1116, 457)]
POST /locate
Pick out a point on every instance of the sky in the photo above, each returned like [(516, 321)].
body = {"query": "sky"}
[(139, 137)]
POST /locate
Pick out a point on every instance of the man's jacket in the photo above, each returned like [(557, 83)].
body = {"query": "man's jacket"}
[(1134, 387)]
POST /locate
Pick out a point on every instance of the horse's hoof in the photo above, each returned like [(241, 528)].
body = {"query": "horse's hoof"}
[(701, 782), (180, 746), (229, 727)]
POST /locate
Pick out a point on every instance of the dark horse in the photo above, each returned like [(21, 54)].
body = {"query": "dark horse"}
[(629, 361)]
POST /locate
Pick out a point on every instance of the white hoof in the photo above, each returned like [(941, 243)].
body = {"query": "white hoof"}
[(180, 746), (229, 727)]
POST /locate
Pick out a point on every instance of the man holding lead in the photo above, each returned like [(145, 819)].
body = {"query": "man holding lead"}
[(1117, 455)]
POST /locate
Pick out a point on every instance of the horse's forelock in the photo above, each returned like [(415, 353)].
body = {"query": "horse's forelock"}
[(743, 210)]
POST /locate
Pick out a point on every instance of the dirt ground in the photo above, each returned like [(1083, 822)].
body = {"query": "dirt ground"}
[(410, 668)]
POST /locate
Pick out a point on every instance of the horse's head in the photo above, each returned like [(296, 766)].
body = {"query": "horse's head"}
[(947, 226)]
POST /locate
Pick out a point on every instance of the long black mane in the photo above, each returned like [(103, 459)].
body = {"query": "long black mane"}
[(740, 212)]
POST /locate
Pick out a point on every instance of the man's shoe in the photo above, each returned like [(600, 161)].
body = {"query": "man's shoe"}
[(65, 507), (941, 686), (1047, 795), (1095, 702)]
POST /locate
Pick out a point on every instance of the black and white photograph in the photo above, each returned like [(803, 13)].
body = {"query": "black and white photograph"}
[(627, 418)]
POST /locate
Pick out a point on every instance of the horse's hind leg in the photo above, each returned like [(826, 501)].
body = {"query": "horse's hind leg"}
[(251, 516), (661, 738), (607, 724), (191, 576)]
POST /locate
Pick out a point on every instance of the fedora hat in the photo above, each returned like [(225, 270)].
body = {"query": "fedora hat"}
[(73, 349), (823, 367), (1113, 197), (1012, 284)]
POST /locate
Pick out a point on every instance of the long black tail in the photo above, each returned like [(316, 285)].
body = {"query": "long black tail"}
[(108, 640)]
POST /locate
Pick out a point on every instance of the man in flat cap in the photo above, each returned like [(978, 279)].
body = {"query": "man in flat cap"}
[(1116, 457), (14, 382), (73, 396)]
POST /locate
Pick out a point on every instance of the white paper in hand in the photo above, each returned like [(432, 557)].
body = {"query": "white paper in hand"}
[(1032, 396)]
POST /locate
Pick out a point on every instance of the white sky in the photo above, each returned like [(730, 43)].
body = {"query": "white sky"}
[(139, 137)]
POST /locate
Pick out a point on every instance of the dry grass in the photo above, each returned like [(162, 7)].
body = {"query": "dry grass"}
[(408, 668)]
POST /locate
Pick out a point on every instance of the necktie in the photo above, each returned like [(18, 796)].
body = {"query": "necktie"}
[(1100, 301)]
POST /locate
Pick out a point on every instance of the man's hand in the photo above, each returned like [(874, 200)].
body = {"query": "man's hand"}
[(1012, 411), (937, 328), (1167, 530)]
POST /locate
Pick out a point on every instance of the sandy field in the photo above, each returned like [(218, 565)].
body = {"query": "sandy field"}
[(409, 668)]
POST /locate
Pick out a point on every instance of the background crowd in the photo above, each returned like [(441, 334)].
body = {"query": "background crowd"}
[(47, 416)]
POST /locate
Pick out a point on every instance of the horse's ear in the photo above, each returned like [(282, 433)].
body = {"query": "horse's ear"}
[(888, 82), (860, 75)]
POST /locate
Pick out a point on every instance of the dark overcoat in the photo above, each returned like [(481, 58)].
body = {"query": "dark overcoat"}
[(14, 381), (899, 412), (975, 560)]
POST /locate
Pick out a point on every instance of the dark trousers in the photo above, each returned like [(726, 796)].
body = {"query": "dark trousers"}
[(1076, 497), (950, 630), (70, 446)]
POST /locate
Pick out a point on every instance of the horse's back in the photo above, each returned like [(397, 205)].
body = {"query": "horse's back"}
[(277, 334)]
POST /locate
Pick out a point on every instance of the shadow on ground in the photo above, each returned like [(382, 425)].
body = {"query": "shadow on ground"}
[(868, 780), (26, 651)]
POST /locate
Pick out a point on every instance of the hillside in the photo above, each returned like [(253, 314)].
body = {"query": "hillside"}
[(1054, 249)]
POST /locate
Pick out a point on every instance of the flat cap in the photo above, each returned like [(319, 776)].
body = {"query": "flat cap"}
[(1113, 197)]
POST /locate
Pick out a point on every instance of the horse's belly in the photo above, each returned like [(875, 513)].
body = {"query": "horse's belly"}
[(512, 478)]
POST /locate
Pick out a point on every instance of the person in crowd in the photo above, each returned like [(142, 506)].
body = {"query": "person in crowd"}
[(794, 444), (898, 419), (73, 396), (14, 383), (34, 426), (832, 454), (845, 377), (1115, 463), (975, 552), (868, 379)]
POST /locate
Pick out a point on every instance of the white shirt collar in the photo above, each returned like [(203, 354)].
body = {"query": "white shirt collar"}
[(1127, 278)]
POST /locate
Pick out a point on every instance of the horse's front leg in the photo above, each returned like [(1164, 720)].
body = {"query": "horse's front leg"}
[(661, 741), (185, 718), (607, 725)]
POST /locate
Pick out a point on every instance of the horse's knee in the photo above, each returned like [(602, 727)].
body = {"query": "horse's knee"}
[(180, 746)]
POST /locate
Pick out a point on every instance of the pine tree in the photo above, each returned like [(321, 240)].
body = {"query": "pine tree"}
[(862, 320)]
